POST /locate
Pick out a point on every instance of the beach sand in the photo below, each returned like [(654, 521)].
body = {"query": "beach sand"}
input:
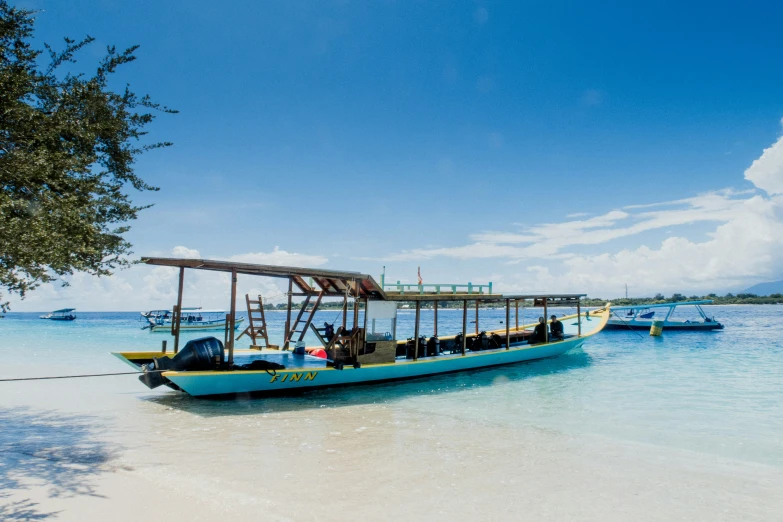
[(374, 462)]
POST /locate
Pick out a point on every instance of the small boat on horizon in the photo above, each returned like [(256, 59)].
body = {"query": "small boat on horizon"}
[(641, 317), (167, 313), (191, 319), (64, 314)]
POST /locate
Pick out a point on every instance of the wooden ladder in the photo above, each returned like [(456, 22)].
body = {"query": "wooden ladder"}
[(256, 324), (310, 313)]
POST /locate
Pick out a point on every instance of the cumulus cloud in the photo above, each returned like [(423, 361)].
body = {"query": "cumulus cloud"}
[(280, 257), (551, 239), (767, 171), (188, 253), (746, 248)]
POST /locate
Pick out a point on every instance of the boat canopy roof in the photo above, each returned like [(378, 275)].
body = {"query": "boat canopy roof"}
[(64, 310), (432, 296), (662, 305), (333, 282), (336, 283)]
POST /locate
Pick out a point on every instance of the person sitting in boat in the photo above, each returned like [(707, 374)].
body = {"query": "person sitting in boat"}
[(556, 328), (328, 331), (539, 332)]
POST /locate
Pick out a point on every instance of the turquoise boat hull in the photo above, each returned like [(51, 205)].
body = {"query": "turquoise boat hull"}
[(200, 384)]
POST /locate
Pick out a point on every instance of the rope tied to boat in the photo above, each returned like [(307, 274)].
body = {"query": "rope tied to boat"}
[(78, 376), (627, 325)]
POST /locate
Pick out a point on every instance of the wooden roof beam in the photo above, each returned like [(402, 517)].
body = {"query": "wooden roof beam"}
[(302, 284)]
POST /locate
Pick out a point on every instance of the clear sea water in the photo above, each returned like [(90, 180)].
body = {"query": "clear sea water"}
[(708, 396)]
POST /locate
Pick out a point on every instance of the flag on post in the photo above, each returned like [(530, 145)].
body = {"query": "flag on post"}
[(420, 281)]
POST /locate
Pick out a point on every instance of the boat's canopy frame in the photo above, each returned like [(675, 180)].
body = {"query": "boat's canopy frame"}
[(638, 309), (317, 284), (662, 305)]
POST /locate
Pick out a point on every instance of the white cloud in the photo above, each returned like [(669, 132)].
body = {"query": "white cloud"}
[(544, 241), (280, 257), (767, 171), (188, 253), (747, 247)]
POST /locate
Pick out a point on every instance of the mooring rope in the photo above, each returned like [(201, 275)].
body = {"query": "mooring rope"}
[(78, 376), (626, 324)]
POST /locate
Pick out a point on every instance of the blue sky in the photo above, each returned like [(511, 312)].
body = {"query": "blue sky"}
[(445, 134)]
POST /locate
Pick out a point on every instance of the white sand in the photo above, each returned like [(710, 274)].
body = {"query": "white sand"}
[(380, 463)]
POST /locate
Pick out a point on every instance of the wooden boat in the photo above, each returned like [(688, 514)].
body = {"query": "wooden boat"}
[(357, 352), (641, 317), (191, 319), (65, 314)]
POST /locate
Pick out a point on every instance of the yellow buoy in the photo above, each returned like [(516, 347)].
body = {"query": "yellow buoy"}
[(656, 328)]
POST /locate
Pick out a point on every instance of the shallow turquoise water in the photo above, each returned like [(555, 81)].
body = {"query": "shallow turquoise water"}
[(717, 393)]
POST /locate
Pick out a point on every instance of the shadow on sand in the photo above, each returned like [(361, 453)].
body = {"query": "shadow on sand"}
[(41, 448), (248, 404)]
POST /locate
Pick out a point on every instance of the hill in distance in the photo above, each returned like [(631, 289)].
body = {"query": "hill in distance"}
[(773, 287)]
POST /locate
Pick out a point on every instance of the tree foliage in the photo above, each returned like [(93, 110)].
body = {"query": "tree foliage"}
[(67, 150)]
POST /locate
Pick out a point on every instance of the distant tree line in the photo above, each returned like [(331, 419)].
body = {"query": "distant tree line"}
[(741, 298)]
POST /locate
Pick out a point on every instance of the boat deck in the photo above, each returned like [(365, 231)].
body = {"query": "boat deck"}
[(292, 361), (286, 358)]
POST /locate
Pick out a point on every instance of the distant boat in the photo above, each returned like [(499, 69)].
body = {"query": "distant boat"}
[(167, 313), (640, 317), (60, 315), (191, 319)]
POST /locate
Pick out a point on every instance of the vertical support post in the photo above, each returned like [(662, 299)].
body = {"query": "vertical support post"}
[(578, 317), (464, 324), (477, 319), (416, 331), (163, 348), (546, 318), (355, 349), (178, 312), (174, 326), (345, 311), (288, 316), (508, 326), (516, 308), (356, 312), (233, 318), (435, 308)]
